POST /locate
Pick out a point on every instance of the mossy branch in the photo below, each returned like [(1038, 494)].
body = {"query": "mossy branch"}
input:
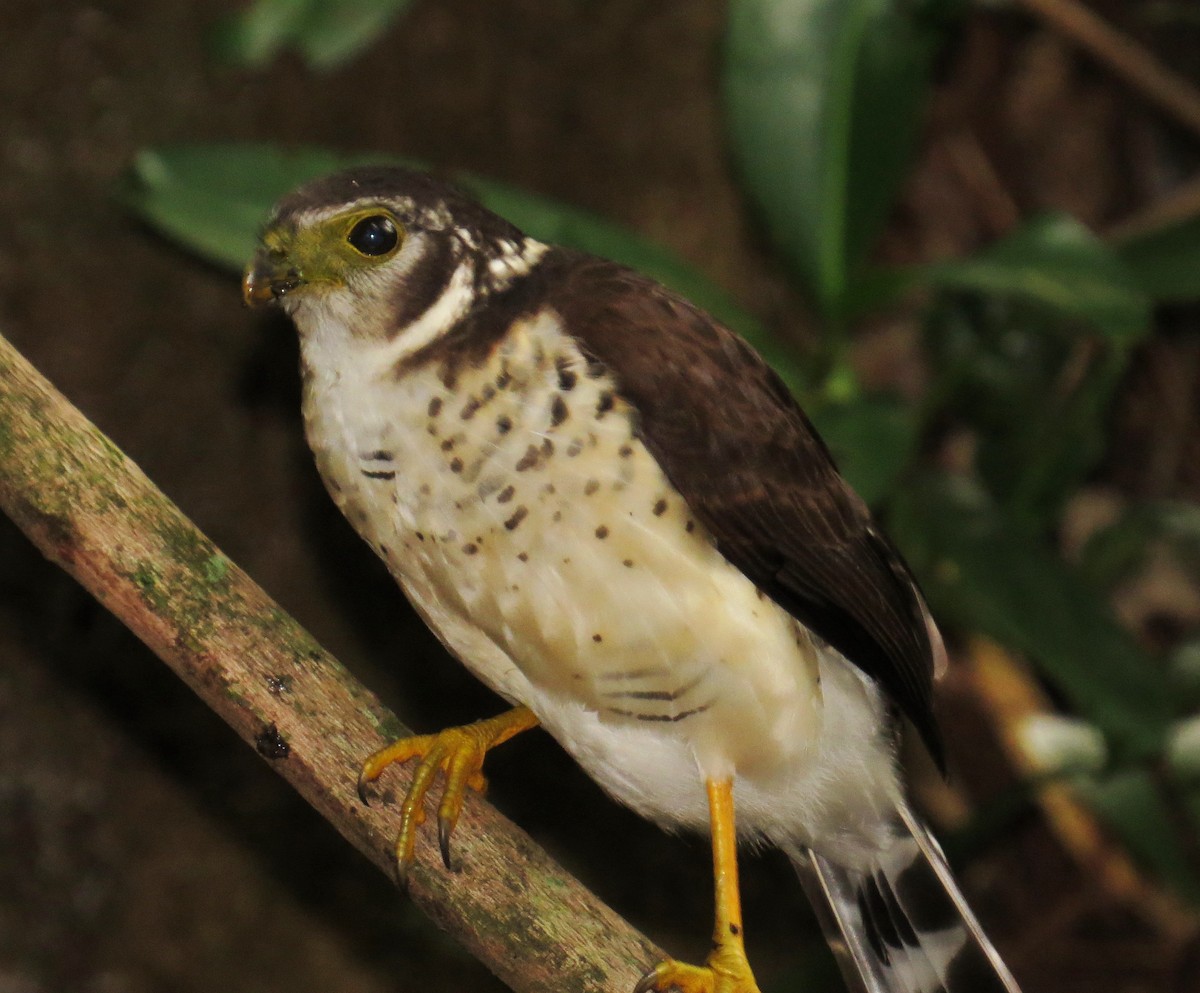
[(93, 512)]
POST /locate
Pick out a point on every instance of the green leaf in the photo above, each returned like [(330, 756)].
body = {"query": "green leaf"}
[(1035, 390), (327, 33), (1165, 262), (1055, 261), (1183, 749), (1183, 670), (983, 572), (823, 99), (1115, 552), (872, 439), (1131, 804), (213, 198), (255, 35), (1055, 745), (1031, 347)]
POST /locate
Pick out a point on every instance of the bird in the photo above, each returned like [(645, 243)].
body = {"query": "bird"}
[(607, 505)]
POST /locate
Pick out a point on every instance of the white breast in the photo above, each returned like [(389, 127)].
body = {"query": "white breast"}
[(541, 541)]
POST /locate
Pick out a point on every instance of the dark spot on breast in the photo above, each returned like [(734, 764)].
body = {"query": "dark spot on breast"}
[(558, 411), (547, 448), (596, 369), (423, 489), (597, 637), (379, 473), (447, 444), (270, 744), (604, 404), (574, 448), (504, 424), (420, 536), (625, 451), (518, 516), (566, 375), (470, 408), (506, 494), (523, 556), (557, 516), (487, 393), (529, 459), (591, 486), (503, 379), (628, 563), (456, 464), (601, 532), (690, 526), (660, 508), (435, 406), (470, 548), (449, 376), (549, 488), (379, 455)]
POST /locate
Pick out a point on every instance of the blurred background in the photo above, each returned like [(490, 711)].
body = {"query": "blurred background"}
[(968, 234)]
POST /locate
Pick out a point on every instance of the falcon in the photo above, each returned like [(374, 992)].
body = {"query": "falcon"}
[(613, 512)]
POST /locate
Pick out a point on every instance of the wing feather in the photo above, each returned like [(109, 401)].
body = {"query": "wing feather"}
[(745, 458)]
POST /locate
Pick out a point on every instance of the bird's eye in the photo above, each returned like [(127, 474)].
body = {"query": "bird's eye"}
[(374, 236)]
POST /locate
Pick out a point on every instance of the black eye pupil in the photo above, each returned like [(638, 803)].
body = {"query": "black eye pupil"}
[(374, 235)]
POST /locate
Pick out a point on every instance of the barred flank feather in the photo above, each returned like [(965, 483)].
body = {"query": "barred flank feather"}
[(903, 926)]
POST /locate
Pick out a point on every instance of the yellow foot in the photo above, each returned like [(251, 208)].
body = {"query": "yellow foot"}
[(459, 753), (727, 971)]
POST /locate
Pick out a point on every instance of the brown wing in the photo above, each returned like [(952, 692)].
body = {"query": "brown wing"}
[(737, 446)]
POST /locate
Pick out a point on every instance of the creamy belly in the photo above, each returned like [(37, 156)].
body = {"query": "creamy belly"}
[(540, 540)]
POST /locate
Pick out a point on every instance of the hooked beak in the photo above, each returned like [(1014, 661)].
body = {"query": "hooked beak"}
[(268, 278)]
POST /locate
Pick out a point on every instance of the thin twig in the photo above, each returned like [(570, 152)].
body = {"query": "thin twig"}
[(1125, 57), (1176, 207), (1011, 697), (92, 511)]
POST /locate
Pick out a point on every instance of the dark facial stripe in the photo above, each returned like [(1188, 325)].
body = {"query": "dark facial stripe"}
[(420, 288)]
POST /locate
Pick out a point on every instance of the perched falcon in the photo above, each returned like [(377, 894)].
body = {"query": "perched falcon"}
[(615, 514)]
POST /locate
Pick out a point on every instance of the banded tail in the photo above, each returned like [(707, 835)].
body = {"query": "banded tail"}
[(903, 926)]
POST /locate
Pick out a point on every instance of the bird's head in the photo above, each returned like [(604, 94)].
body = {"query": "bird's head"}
[(378, 248)]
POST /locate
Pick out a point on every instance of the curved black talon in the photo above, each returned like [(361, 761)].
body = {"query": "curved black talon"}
[(647, 982), (445, 829), (400, 875), (362, 791)]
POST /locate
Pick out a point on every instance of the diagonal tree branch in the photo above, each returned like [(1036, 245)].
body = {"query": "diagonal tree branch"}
[(93, 512)]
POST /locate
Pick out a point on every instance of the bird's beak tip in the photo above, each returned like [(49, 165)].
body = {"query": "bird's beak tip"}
[(257, 287)]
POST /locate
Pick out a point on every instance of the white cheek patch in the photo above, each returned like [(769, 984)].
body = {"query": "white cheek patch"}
[(450, 307)]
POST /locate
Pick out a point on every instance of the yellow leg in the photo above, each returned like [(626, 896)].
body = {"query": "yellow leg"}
[(459, 753), (727, 969)]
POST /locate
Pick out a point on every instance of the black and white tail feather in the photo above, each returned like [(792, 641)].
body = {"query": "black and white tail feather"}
[(902, 926)]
